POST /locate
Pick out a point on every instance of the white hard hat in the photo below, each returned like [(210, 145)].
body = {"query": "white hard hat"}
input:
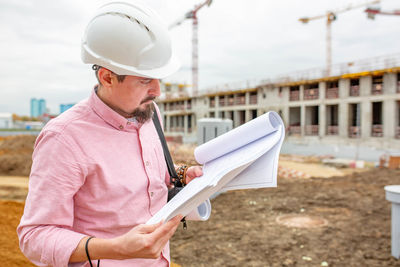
[(129, 38)]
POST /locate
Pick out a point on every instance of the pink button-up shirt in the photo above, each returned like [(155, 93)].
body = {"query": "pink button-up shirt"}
[(93, 173)]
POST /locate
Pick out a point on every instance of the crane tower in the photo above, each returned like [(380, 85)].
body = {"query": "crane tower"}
[(192, 14), (330, 16)]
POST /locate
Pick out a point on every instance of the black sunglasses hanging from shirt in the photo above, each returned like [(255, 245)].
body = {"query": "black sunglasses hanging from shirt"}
[(170, 164)]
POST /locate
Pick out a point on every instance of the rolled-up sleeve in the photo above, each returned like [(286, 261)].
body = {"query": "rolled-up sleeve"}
[(45, 231)]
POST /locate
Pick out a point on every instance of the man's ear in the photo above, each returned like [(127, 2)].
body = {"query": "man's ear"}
[(105, 77)]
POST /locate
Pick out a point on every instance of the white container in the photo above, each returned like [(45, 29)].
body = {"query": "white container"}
[(209, 128), (393, 195)]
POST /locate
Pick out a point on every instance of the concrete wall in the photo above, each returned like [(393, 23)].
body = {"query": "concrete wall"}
[(277, 99)]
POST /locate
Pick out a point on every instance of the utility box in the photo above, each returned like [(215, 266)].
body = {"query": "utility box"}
[(209, 128), (393, 195)]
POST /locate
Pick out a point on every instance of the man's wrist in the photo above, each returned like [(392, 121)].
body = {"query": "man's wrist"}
[(98, 248), (117, 248), (181, 172)]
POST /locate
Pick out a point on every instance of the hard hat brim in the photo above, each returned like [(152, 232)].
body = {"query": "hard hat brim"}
[(89, 57)]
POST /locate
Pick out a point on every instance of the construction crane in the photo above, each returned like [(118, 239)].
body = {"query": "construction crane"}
[(330, 16), (192, 14), (372, 12)]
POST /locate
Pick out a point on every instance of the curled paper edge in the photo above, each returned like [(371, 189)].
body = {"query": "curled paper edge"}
[(201, 213)]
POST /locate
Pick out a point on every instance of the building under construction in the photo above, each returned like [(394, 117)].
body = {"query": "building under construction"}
[(358, 103)]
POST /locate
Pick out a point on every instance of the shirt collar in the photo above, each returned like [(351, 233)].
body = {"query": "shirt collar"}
[(108, 114)]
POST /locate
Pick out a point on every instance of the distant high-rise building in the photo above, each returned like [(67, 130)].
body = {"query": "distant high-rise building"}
[(38, 107), (42, 107), (64, 107), (34, 107)]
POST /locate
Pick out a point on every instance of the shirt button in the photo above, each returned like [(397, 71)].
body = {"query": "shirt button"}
[(121, 127), (129, 123), (147, 163), (151, 194)]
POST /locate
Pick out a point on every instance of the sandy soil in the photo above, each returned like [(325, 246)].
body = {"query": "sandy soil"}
[(311, 169), (19, 181), (10, 255)]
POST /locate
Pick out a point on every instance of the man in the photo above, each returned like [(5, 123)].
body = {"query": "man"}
[(98, 169)]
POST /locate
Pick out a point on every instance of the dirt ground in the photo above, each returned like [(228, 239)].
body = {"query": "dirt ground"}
[(243, 228), (350, 215), (16, 154), (10, 255)]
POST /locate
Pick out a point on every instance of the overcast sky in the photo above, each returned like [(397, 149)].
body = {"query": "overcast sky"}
[(239, 40)]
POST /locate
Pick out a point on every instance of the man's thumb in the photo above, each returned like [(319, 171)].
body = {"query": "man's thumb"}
[(147, 229)]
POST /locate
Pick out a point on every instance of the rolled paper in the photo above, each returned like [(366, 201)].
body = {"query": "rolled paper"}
[(201, 213)]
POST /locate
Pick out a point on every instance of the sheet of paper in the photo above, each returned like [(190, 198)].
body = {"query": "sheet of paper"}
[(248, 153), (246, 157), (263, 171), (190, 197), (238, 137)]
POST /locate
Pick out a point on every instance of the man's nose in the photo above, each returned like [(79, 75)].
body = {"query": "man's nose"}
[(155, 89)]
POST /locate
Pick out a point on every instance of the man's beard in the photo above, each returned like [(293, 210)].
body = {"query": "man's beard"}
[(143, 115)]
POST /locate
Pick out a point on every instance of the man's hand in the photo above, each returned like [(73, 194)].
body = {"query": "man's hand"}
[(146, 241), (193, 172), (143, 241)]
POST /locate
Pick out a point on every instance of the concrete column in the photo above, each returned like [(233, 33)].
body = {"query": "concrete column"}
[(302, 118), (175, 123), (285, 95), (172, 123), (217, 107), (247, 98), (365, 85), (194, 123), (366, 118), (285, 116), (344, 88), (322, 120), (179, 121), (247, 115), (301, 92), (168, 124), (236, 122), (389, 120), (389, 83), (322, 90), (185, 124), (343, 119)]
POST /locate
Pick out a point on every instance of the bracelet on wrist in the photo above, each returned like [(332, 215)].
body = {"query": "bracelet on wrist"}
[(87, 252), (181, 171)]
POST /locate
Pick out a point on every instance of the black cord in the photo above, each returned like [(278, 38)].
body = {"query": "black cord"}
[(87, 252)]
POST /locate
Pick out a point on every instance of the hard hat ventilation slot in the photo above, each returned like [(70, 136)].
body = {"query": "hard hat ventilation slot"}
[(130, 18)]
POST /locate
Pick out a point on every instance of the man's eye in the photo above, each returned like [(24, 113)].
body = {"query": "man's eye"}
[(146, 81)]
